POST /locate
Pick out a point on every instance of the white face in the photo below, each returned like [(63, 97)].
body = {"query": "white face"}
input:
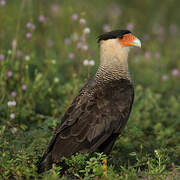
[(111, 51)]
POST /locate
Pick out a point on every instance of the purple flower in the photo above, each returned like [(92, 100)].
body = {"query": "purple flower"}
[(79, 45), (28, 35), (1, 57), (13, 94), (10, 73), (147, 55), (157, 55), (29, 25), (175, 72), (19, 53), (67, 40), (24, 87), (130, 26), (106, 27), (74, 17), (71, 55), (2, 2), (165, 77), (84, 47), (42, 18)]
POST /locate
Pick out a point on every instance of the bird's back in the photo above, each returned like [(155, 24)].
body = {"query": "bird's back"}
[(93, 121)]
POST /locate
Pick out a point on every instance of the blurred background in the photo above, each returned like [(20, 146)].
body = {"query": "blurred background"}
[(48, 50)]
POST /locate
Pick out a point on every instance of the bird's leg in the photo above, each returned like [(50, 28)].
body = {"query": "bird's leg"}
[(105, 165)]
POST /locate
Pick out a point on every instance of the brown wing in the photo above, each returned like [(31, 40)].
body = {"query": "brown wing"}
[(95, 115)]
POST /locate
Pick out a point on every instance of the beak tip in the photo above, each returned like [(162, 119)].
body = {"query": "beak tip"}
[(137, 43)]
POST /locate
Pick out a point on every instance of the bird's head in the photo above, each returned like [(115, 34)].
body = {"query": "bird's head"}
[(114, 49), (115, 45), (124, 38)]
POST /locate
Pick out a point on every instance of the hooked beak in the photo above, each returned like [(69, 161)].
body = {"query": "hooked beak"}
[(136, 43)]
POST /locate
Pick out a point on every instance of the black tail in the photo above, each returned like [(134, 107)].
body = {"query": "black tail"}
[(45, 163)]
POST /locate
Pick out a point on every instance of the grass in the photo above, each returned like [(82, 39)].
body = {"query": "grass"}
[(43, 48)]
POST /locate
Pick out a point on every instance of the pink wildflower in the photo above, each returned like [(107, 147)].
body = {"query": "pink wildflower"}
[(42, 18), (175, 72), (24, 87), (1, 57), (74, 17), (28, 35), (13, 94), (147, 55), (10, 73)]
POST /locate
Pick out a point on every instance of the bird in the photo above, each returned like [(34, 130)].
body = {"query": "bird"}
[(99, 113)]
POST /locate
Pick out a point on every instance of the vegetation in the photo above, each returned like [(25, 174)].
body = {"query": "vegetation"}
[(48, 51)]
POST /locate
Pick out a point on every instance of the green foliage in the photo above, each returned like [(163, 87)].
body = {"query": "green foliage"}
[(83, 165), (43, 48)]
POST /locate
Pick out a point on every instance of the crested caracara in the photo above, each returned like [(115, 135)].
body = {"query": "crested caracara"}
[(99, 113)]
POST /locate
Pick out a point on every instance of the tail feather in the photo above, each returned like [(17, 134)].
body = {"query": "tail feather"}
[(45, 163)]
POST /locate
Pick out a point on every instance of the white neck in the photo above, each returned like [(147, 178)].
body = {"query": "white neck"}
[(113, 60)]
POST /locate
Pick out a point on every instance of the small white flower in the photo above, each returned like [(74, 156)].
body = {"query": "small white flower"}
[(82, 21), (12, 115), (86, 30), (11, 103), (27, 57), (91, 62), (14, 130), (85, 62)]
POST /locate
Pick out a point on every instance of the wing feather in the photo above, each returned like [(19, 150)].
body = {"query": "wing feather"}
[(95, 114)]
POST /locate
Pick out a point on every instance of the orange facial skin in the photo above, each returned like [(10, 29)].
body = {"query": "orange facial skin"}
[(127, 40)]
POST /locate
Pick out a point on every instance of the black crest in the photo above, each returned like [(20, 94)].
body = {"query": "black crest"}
[(113, 35)]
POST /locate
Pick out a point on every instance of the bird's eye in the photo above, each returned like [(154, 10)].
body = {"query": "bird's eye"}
[(121, 36)]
